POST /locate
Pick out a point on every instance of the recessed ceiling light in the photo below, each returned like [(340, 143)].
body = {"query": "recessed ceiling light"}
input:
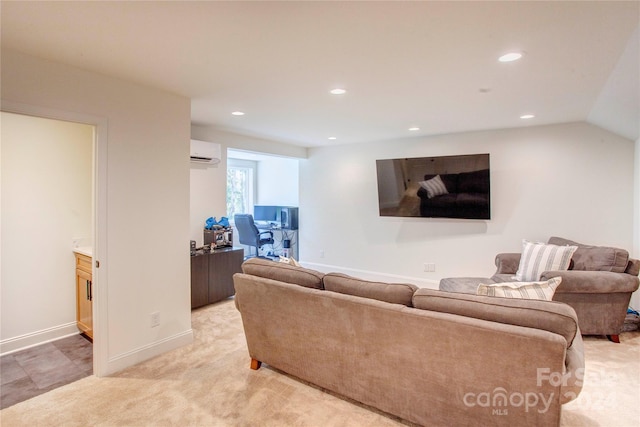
[(238, 113), (527, 116), (414, 129), (332, 138), (508, 57), (337, 91)]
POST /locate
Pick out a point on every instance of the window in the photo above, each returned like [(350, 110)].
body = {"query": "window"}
[(241, 175)]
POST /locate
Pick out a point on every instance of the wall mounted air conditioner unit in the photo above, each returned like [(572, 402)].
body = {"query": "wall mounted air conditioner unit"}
[(205, 152)]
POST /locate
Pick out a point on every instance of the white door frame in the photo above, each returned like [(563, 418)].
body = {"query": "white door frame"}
[(99, 202)]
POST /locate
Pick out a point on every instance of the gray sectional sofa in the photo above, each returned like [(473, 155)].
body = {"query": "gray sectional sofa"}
[(430, 357)]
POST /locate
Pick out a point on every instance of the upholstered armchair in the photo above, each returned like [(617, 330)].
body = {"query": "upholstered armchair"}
[(598, 285)]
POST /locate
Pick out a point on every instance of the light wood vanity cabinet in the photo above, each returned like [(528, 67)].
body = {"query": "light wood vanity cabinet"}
[(84, 294)]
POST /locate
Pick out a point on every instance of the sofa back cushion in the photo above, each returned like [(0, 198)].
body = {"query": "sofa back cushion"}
[(551, 316), (595, 258), (283, 272), (396, 293), (474, 182), (633, 267)]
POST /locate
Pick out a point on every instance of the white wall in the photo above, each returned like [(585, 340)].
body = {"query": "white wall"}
[(278, 179), (141, 240), (47, 182), (207, 195), (573, 180)]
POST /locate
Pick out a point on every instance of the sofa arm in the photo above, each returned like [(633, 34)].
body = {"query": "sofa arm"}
[(593, 282), (507, 263)]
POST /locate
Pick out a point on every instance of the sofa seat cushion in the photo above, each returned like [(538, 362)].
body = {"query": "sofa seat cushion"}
[(550, 316), (283, 272), (504, 277), (444, 201), (472, 199), (595, 258), (396, 293)]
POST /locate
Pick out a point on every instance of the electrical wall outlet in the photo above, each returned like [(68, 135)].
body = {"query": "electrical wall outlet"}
[(429, 267), (155, 319)]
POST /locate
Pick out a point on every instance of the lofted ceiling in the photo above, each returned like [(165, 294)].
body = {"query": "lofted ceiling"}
[(430, 65)]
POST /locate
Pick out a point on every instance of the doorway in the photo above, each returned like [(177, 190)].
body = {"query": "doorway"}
[(47, 209)]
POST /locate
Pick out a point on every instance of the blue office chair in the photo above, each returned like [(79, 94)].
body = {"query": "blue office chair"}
[(248, 233)]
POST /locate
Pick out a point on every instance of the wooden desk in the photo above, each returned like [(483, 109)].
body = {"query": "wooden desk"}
[(212, 275), (279, 236)]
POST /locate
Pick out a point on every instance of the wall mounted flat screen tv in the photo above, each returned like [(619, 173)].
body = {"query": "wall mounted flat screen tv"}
[(435, 187)]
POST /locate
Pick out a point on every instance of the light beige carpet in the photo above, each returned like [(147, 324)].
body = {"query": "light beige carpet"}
[(209, 383)]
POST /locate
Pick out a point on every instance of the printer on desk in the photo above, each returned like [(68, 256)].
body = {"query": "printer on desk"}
[(221, 237)]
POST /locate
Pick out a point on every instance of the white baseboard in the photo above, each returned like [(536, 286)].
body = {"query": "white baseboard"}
[(372, 275), (22, 342), (141, 354), (115, 364)]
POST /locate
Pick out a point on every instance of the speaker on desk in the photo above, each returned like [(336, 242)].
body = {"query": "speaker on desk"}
[(289, 218)]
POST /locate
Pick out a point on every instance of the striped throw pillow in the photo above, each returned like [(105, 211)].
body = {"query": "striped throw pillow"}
[(537, 258), (434, 186), (525, 290)]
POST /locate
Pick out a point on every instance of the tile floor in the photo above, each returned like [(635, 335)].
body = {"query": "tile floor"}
[(28, 373)]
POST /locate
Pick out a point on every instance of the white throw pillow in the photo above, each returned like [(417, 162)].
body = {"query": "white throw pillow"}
[(289, 261), (537, 258), (434, 186), (525, 290)]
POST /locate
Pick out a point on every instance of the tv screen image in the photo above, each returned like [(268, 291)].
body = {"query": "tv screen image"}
[(435, 187)]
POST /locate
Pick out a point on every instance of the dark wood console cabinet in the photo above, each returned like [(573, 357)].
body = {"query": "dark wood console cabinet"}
[(212, 275)]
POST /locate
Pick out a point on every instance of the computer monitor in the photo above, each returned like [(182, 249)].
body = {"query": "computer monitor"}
[(265, 213)]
